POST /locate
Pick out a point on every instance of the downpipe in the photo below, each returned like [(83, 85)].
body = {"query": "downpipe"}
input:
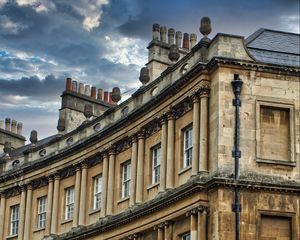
[(236, 84)]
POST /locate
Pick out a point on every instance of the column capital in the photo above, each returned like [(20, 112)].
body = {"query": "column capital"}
[(2, 194), (56, 176), (112, 150), (141, 134), (203, 209), (204, 90), (167, 223), (171, 114), (133, 138), (78, 167), (84, 164), (50, 178), (104, 153), (162, 119), (22, 187), (195, 95), (29, 186)]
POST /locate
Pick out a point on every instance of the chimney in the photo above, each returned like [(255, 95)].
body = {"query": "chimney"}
[(106, 96), (19, 128), (7, 124), (110, 101), (186, 41), (163, 34), (81, 88), (193, 40), (74, 86), (155, 31), (87, 90), (69, 84), (1, 124), (14, 126), (100, 94), (171, 33), (93, 92), (178, 36)]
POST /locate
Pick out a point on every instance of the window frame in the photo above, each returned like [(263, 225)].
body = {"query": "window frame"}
[(187, 150), (97, 195), (14, 220), (155, 168), (69, 203), (185, 235), (126, 182), (41, 215)]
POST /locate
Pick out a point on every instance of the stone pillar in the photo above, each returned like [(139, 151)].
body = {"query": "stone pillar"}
[(163, 155), (170, 150), (202, 215), (22, 213), (27, 227), (82, 208), (196, 133), (134, 156), (194, 225), (77, 196), (49, 205), (54, 216), (168, 230), (2, 214), (160, 231), (104, 185), (204, 93), (140, 168), (111, 181)]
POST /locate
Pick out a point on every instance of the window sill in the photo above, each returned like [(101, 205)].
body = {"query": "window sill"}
[(185, 169), (38, 229), (66, 221), (123, 200), (276, 162), (153, 186), (12, 236), (94, 211)]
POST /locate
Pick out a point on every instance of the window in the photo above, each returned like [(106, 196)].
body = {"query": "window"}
[(14, 219), (42, 205), (186, 236), (69, 203), (156, 164), (188, 147), (126, 176), (97, 192)]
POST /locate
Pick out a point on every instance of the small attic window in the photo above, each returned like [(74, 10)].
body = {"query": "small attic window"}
[(154, 91), (42, 153), (184, 69), (69, 140), (15, 163), (125, 111), (97, 127)]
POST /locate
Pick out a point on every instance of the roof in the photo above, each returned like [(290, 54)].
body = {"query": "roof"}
[(275, 47)]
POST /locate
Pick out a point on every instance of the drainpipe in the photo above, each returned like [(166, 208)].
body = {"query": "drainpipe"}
[(236, 153)]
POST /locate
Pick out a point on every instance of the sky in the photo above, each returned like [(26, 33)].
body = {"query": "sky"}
[(103, 43)]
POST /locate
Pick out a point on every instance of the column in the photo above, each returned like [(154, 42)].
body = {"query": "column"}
[(104, 184), (82, 208), (49, 205), (2, 214), (170, 150), (22, 213), (168, 230), (77, 196), (27, 227), (163, 155), (204, 92), (160, 231), (202, 215), (111, 181), (196, 133), (140, 168), (134, 156), (194, 225), (54, 216)]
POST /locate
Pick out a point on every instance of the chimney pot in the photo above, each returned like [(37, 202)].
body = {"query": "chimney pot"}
[(7, 124), (106, 96), (1, 124), (155, 31), (110, 101), (33, 137), (171, 33), (163, 34), (100, 94), (74, 86), (81, 88), (186, 41), (19, 128), (69, 84), (178, 36), (14, 126), (193, 40), (87, 90), (93, 92)]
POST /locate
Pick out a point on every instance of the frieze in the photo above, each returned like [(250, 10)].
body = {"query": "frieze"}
[(152, 127), (123, 144)]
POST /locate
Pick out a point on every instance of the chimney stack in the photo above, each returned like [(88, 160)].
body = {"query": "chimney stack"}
[(106, 96), (178, 36), (19, 128), (155, 31), (7, 124), (81, 88), (171, 33), (163, 34), (14, 126), (93, 92), (100, 94), (69, 84), (74, 86), (186, 41)]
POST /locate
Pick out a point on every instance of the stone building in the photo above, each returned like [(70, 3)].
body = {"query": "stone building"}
[(207, 148)]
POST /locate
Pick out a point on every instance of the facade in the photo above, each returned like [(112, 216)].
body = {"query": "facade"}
[(207, 148)]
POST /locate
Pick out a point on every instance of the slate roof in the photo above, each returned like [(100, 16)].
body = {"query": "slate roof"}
[(275, 47)]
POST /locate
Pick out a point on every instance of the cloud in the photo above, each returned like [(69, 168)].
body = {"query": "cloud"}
[(7, 26)]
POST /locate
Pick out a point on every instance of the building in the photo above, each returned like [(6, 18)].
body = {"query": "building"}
[(207, 148)]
